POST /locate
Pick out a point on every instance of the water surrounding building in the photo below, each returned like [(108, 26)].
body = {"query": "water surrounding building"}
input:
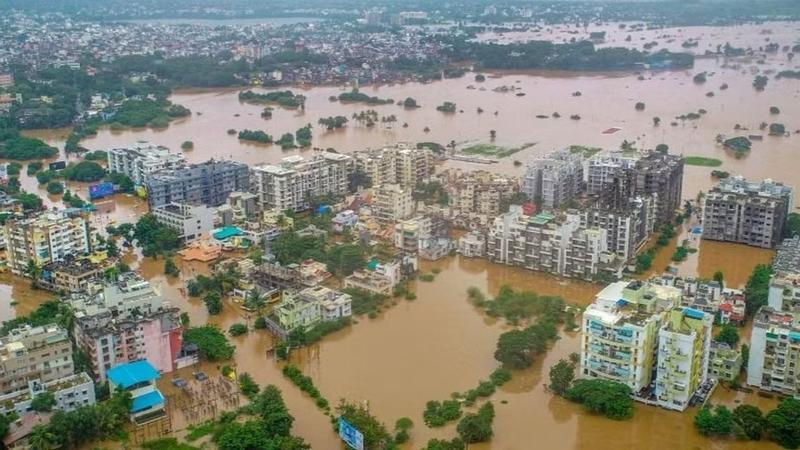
[(296, 180), (401, 164), (139, 378), (48, 237), (684, 341), (472, 245), (141, 159), (751, 213), (207, 183), (554, 179), (190, 221), (546, 243), (310, 306)]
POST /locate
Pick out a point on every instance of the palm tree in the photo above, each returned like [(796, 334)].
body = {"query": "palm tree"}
[(41, 438), (255, 300)]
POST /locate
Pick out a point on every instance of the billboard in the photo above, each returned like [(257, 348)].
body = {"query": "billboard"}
[(100, 190), (350, 435), (58, 165)]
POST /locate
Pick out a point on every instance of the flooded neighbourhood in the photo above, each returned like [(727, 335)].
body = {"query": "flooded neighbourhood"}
[(421, 349)]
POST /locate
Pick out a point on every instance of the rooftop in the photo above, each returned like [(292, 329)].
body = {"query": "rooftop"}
[(129, 374)]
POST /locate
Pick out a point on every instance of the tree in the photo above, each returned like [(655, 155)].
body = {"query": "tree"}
[(719, 277), (345, 259), (55, 188), (375, 434), (609, 398), (783, 423), (561, 376), (792, 226), (248, 387), (210, 341), (750, 420), (716, 422), (187, 145), (492, 134), (170, 268), (662, 148), (410, 103), (237, 329), (756, 290), (640, 106), (728, 334), (513, 350), (43, 402), (84, 171), (477, 427), (656, 121), (42, 438), (254, 300), (213, 302), (154, 237)]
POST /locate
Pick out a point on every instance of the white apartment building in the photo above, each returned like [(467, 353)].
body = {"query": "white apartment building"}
[(620, 331), (48, 237), (70, 392), (555, 178), (291, 184), (402, 164), (191, 221), (143, 158), (603, 166), (774, 352), (392, 203)]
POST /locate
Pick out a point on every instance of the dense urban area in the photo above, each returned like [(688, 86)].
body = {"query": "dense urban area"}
[(390, 225)]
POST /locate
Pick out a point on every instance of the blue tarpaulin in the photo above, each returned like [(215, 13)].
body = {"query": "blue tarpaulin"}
[(128, 374)]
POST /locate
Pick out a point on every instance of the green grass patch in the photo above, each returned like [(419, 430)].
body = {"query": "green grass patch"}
[(701, 161), (586, 152), (495, 151), (199, 430)]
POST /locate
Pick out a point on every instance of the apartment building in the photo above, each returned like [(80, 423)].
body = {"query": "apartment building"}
[(472, 245), (392, 203), (620, 332), (478, 192), (207, 183), (310, 306), (726, 305), (401, 164), (684, 342), (618, 176), (627, 228), (546, 243), (381, 277), (34, 355), (245, 205), (143, 158), (294, 182), (422, 235), (71, 274), (554, 179), (774, 352), (129, 321), (70, 392), (344, 220), (751, 213), (725, 363), (48, 237), (787, 258), (190, 221)]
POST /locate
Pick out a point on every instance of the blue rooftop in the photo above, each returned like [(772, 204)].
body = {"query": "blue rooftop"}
[(146, 401), (227, 232), (621, 302), (693, 313), (129, 374)]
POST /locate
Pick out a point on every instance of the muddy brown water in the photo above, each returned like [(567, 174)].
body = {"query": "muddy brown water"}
[(425, 349)]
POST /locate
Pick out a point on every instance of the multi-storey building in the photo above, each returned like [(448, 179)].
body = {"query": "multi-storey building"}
[(139, 379), (293, 183), (472, 245), (620, 332), (128, 321), (207, 183), (546, 243), (725, 304), (684, 341), (554, 179), (787, 259), (344, 220), (245, 205), (142, 159), (392, 203), (725, 362), (426, 236), (310, 306), (478, 192), (737, 210), (627, 228), (784, 292), (190, 221), (618, 176), (401, 164), (381, 278), (774, 352), (70, 392), (48, 237), (34, 355)]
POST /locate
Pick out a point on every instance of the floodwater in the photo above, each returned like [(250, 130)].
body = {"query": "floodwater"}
[(425, 349)]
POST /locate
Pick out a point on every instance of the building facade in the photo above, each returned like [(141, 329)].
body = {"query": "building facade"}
[(207, 183), (141, 159), (554, 179), (31, 356), (774, 352), (401, 164), (392, 203), (48, 237), (190, 221), (292, 184)]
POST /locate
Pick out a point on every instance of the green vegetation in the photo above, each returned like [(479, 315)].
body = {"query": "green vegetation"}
[(97, 155), (783, 423), (47, 312), (55, 188), (358, 97), (306, 384), (431, 192), (21, 148), (738, 144), (729, 334), (375, 434), (170, 268), (760, 82), (247, 386), (721, 174), (701, 161), (153, 237), (716, 421), (303, 136), (680, 254), (255, 136), (699, 78), (333, 122), (72, 200), (495, 151), (639, 106), (237, 329), (777, 129), (645, 259), (365, 302), (213, 302), (792, 225), (301, 338), (410, 103), (515, 306), (210, 341), (756, 290), (286, 141), (475, 428), (774, 110), (187, 145), (44, 401), (447, 107), (609, 398), (148, 113), (585, 152), (437, 414), (286, 99), (562, 374)]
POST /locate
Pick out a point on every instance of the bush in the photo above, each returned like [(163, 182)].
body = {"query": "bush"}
[(86, 171), (55, 188), (716, 422), (247, 386), (603, 397), (210, 341), (260, 323), (437, 414), (477, 427), (237, 329)]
